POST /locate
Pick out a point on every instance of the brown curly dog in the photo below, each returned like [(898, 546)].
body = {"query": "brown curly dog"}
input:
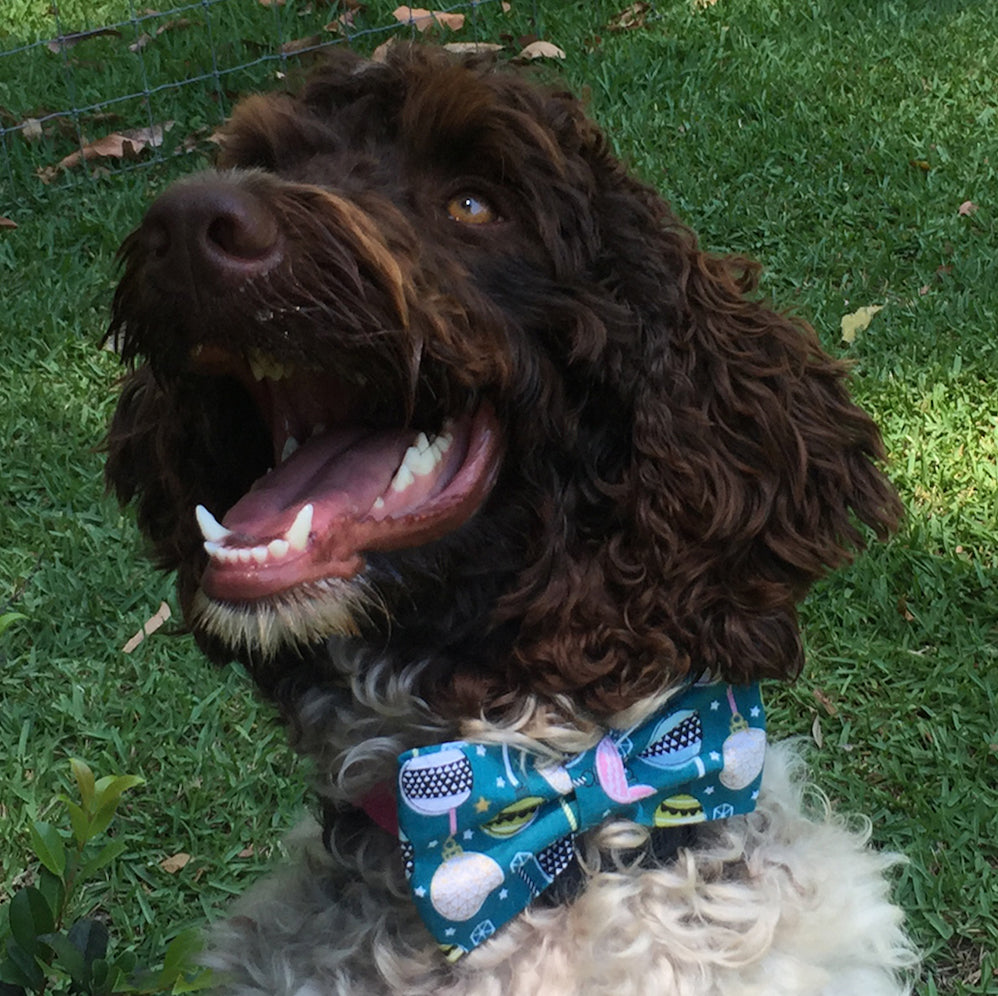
[(458, 441)]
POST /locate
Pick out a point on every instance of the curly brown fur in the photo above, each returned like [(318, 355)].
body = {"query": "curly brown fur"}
[(681, 461), (651, 466)]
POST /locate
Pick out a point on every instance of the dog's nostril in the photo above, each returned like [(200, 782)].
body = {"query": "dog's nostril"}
[(244, 234)]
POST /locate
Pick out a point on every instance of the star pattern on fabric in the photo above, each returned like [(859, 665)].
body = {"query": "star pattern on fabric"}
[(483, 805)]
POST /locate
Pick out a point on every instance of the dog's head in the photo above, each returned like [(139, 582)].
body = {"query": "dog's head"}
[(443, 377)]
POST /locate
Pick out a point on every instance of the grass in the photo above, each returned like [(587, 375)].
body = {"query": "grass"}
[(834, 140)]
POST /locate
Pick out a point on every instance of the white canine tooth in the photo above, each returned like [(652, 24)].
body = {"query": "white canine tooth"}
[(211, 528), (290, 445), (379, 503), (297, 535), (278, 548), (212, 549), (260, 554)]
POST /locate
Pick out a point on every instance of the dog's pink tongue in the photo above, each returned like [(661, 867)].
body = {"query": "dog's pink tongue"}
[(340, 472)]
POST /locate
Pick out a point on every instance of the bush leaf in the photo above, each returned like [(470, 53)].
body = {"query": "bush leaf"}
[(29, 916), (49, 847), (84, 781)]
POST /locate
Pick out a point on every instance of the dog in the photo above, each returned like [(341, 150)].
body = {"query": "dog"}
[(505, 493)]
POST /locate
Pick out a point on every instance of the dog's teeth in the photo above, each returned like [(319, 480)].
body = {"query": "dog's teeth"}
[(261, 554), (297, 535), (402, 479), (290, 445), (278, 548), (443, 443), (245, 554), (422, 443), (379, 503), (211, 528)]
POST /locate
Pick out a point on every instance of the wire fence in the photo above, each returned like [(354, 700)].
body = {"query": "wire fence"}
[(93, 99)]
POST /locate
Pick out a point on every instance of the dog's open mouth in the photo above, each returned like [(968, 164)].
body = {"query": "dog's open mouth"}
[(342, 484)]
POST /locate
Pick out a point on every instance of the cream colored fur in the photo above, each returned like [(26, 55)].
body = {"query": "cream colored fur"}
[(788, 901)]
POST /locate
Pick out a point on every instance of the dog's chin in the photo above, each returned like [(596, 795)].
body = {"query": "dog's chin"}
[(293, 620)]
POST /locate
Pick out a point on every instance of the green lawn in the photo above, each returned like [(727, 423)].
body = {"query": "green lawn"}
[(833, 139)]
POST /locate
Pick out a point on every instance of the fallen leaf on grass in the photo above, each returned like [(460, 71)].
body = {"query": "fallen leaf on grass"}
[(923, 164), (7, 223), (630, 18), (828, 704), (31, 129), (541, 50), (149, 627), (118, 145), (816, 733), (144, 39), (301, 44), (175, 863), (65, 42), (246, 852), (858, 321), (967, 207), (466, 48), (422, 19)]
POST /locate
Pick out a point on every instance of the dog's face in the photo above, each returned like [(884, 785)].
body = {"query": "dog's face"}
[(420, 364)]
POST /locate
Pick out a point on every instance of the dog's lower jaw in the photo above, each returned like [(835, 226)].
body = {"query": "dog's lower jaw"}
[(296, 619)]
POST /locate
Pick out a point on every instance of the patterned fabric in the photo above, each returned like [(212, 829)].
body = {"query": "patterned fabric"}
[(487, 827)]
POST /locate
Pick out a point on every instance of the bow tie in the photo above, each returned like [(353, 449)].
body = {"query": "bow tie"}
[(485, 828)]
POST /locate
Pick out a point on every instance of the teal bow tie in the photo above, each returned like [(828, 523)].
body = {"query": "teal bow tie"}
[(487, 827)]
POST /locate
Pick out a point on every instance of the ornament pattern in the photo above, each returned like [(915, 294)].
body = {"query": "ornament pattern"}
[(485, 828)]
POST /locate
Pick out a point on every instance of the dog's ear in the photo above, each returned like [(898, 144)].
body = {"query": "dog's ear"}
[(749, 473)]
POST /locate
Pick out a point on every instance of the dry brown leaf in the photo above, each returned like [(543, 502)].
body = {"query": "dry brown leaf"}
[(469, 48), (630, 18), (31, 129), (828, 704), (118, 145), (7, 223), (541, 50), (66, 42), (858, 321), (144, 39), (175, 863), (422, 19), (816, 733), (967, 207), (297, 45), (381, 52), (247, 852), (149, 627)]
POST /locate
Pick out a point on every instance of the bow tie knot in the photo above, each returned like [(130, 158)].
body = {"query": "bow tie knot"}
[(487, 827)]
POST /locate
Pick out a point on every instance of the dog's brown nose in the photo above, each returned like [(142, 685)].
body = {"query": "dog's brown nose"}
[(209, 230)]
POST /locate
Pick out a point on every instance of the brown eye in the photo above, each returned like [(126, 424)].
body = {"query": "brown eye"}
[(471, 210)]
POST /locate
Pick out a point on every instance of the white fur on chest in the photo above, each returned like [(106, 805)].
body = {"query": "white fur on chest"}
[(778, 903)]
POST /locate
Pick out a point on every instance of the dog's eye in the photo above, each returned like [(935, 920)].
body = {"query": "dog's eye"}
[(470, 209)]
